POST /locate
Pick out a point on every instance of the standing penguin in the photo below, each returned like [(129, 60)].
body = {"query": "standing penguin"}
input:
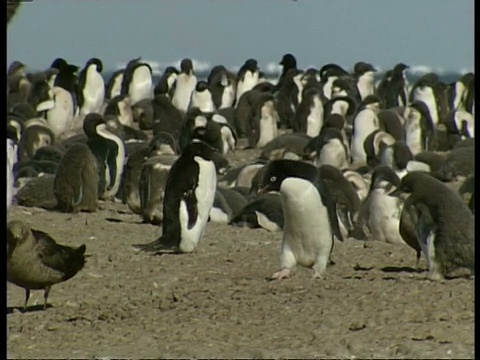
[(288, 62), (394, 91), (365, 75), (137, 81), (222, 85), (11, 161), (109, 150), (309, 115), (114, 84), (247, 78), (91, 87), (202, 98), (189, 195), (328, 148), (76, 182), (309, 212), (445, 227), (184, 86)]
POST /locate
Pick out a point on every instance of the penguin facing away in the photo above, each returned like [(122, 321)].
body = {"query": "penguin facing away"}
[(309, 212), (184, 86), (445, 227), (91, 87), (189, 196)]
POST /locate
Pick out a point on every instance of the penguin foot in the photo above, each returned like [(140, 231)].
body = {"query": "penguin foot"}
[(157, 247), (280, 275)]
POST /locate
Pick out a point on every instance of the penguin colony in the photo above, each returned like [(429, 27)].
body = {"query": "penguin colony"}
[(341, 155)]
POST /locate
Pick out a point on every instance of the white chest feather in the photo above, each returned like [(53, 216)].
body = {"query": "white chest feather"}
[(413, 132), (426, 95), (205, 194), (228, 96), (333, 153), (327, 88), (60, 117), (141, 86), (365, 123), (11, 160), (384, 217), (315, 118), (268, 124), (93, 92), (366, 85), (184, 87), (250, 79), (202, 100), (306, 229)]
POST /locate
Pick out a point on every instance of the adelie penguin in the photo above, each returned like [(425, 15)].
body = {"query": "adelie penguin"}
[(109, 150), (189, 195), (328, 148), (137, 81), (288, 62), (247, 78), (445, 226), (310, 216), (222, 85), (184, 86), (420, 130), (166, 82), (202, 98), (76, 182), (365, 76), (309, 115), (91, 87), (114, 85)]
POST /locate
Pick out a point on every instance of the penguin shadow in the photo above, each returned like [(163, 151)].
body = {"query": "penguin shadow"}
[(31, 308), (400, 269)]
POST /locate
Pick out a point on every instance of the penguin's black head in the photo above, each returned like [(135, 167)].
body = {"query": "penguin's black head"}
[(288, 61), (351, 106), (201, 86), (97, 62), (467, 78), (186, 66), (251, 64), (162, 140), (90, 124), (335, 121), (400, 67), (59, 63), (198, 147), (372, 99), (170, 70), (409, 182), (70, 69), (15, 68), (384, 176), (401, 154), (329, 70), (274, 173), (361, 68)]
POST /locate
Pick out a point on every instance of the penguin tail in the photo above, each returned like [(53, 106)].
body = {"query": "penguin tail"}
[(158, 246)]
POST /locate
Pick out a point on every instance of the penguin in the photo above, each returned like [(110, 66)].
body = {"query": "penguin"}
[(328, 148), (35, 261), (50, 153), (328, 74), (166, 82), (91, 87), (358, 182), (365, 76), (210, 133), (109, 151), (137, 81), (76, 182), (460, 125), (11, 161), (288, 62), (284, 95), (458, 91), (60, 116), (445, 227), (229, 135), (310, 216), (130, 178), (189, 195), (33, 138), (66, 79), (121, 107), (40, 99), (202, 98), (407, 229), (247, 78), (373, 146), (395, 87), (420, 131), (245, 110), (426, 89), (391, 122), (143, 114), (263, 126), (37, 192), (222, 85), (365, 123), (346, 86), (285, 143), (343, 105), (151, 186), (344, 195), (167, 118), (248, 172), (184, 86), (397, 156), (262, 211), (114, 84), (458, 162), (309, 115), (233, 202), (380, 211)]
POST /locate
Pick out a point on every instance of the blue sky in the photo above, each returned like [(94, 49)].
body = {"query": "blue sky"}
[(437, 34)]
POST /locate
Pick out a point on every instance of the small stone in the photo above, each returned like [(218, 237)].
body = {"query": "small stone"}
[(356, 326)]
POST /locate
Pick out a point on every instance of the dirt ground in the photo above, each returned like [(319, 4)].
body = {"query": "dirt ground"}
[(217, 303)]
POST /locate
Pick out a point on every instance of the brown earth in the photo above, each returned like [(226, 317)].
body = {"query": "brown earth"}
[(217, 302)]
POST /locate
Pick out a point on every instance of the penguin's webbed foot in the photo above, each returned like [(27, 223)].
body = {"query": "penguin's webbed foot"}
[(280, 275), (158, 247)]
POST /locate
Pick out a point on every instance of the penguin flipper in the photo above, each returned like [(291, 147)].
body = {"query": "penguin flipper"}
[(158, 246)]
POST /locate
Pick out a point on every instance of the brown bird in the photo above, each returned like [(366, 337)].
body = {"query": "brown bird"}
[(35, 261)]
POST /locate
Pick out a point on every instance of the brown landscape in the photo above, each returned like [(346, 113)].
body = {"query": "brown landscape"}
[(217, 303)]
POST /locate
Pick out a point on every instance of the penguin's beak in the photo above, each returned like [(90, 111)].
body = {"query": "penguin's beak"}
[(396, 193)]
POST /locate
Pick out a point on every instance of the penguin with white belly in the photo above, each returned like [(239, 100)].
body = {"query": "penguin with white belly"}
[(309, 212), (91, 87), (189, 196)]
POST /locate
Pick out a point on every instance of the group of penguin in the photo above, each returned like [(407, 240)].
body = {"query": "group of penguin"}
[(341, 155)]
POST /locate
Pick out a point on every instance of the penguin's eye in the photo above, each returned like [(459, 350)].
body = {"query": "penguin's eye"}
[(273, 179)]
